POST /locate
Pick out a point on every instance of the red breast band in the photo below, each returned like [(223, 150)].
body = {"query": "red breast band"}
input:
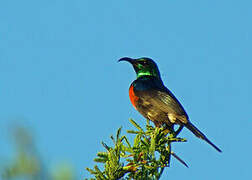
[(133, 97)]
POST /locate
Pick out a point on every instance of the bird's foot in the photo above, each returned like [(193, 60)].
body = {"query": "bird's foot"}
[(178, 131)]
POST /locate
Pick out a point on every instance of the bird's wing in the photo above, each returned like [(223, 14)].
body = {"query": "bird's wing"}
[(165, 101)]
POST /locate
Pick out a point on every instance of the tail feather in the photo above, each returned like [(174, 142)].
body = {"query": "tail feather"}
[(200, 135)]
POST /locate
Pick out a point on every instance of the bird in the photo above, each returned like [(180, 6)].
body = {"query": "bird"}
[(156, 102)]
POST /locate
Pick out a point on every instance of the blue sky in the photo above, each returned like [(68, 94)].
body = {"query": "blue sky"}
[(59, 75)]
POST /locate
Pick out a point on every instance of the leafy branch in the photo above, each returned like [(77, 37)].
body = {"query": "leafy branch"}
[(147, 158)]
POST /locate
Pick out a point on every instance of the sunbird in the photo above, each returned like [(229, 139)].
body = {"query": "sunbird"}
[(156, 102)]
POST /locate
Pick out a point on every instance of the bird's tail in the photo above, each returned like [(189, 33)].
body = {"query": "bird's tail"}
[(200, 135)]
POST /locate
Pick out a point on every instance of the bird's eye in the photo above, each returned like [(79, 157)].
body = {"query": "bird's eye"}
[(144, 63)]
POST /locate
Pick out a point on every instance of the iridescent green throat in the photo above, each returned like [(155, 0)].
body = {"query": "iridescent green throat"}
[(148, 72)]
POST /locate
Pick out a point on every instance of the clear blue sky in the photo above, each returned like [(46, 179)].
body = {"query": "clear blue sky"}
[(59, 74)]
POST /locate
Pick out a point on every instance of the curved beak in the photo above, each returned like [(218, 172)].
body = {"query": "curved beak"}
[(130, 60)]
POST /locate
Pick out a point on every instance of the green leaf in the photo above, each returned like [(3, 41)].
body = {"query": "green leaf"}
[(133, 132), (136, 125), (91, 171), (137, 140), (126, 149), (100, 160), (99, 172), (127, 141), (105, 145), (152, 145), (145, 143), (102, 154), (177, 140), (113, 139), (118, 133)]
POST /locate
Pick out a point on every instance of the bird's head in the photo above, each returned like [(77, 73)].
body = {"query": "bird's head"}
[(143, 66)]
